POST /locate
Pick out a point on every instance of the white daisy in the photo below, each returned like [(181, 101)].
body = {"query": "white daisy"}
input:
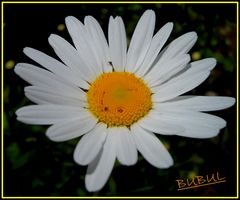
[(117, 98)]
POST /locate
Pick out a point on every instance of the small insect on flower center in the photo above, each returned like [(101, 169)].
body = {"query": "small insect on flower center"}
[(119, 98)]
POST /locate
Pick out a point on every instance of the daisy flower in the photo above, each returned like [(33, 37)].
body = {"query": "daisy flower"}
[(118, 98)]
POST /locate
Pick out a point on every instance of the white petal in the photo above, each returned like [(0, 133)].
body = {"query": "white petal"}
[(180, 84), (41, 95), (55, 66), (181, 45), (82, 42), (107, 68), (151, 148), (157, 43), (156, 123), (98, 41), (125, 146), (71, 128), (162, 71), (204, 64), (196, 73), (100, 169), (196, 124), (47, 114), (197, 103), (69, 55), (117, 43), (90, 145), (140, 41), (45, 79)]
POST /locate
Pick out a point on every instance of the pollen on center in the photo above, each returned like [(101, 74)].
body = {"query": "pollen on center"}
[(119, 98)]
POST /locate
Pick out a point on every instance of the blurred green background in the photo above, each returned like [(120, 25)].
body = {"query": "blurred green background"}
[(35, 166)]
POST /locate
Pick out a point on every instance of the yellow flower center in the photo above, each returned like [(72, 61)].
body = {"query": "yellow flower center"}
[(119, 98)]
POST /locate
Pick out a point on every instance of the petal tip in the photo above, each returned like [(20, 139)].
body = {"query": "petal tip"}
[(17, 68), (70, 19), (17, 113), (170, 24), (52, 36), (191, 35), (26, 49), (231, 101), (149, 11), (212, 62), (92, 187), (77, 159)]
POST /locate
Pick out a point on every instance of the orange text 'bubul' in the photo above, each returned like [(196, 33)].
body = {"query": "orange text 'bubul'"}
[(198, 181)]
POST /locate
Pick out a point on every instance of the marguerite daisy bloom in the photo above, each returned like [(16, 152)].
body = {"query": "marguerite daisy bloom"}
[(116, 97)]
